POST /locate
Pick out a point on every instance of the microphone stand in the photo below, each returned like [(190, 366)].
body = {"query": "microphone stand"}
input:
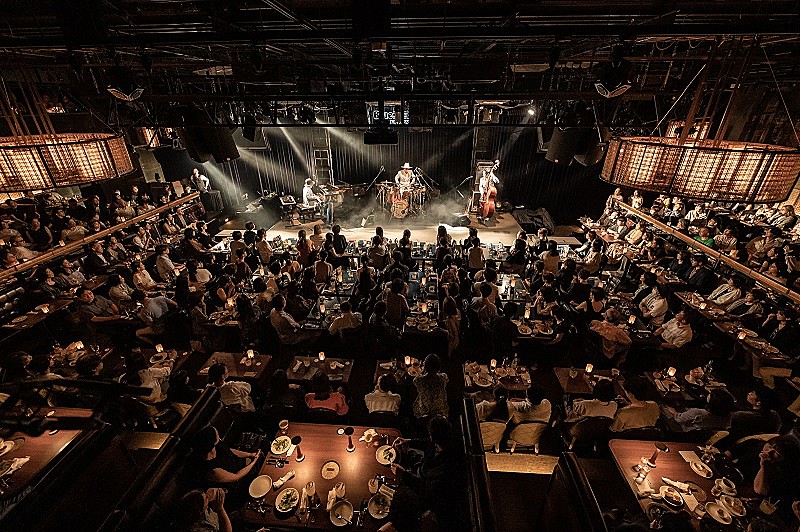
[(375, 179)]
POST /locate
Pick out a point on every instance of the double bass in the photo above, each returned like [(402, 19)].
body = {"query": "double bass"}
[(488, 199)]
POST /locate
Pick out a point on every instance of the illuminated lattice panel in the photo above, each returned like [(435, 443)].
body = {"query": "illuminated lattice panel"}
[(730, 171), (43, 162)]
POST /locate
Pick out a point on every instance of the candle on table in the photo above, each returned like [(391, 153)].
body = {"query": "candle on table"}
[(493, 364), (159, 348), (322, 356), (671, 372), (632, 319), (408, 360)]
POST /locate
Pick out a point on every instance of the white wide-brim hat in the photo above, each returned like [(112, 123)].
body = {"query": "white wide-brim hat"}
[(406, 166)]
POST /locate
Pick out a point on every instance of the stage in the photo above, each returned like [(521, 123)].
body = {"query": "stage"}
[(503, 228)]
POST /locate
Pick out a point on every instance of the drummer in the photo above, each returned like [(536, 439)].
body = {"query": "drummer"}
[(405, 177)]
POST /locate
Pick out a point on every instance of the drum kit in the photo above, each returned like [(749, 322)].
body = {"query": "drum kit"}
[(402, 201)]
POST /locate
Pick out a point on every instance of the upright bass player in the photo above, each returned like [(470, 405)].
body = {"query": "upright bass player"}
[(488, 192)]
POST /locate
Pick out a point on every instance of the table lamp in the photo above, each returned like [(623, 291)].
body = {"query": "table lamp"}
[(588, 369), (159, 348), (299, 457), (493, 364), (632, 319), (407, 360), (349, 433), (671, 372), (322, 356), (322, 308)]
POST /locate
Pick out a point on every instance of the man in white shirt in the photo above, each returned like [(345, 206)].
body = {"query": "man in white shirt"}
[(637, 413), (164, 265), (289, 331), (383, 398), (230, 392), (309, 198), (405, 177), (347, 319), (676, 333), (727, 292), (202, 183)]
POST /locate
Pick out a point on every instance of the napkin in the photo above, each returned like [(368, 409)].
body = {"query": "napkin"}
[(331, 499), (690, 500), (386, 491), (645, 490), (283, 480), (18, 463), (386, 365), (368, 432), (689, 456), (303, 501), (467, 381), (297, 366), (660, 386), (680, 486)]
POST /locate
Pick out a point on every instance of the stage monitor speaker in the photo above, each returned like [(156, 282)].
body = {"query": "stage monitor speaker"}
[(459, 219), (564, 144), (380, 136)]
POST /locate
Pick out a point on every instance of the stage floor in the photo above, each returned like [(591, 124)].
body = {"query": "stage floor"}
[(503, 228)]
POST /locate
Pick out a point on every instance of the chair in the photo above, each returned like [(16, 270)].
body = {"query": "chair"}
[(323, 416), (492, 434), (383, 419), (591, 429), (642, 433), (527, 434)]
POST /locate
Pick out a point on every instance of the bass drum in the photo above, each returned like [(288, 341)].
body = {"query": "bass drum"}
[(400, 208)]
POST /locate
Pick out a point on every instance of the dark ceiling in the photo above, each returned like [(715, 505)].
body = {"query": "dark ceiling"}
[(325, 53)]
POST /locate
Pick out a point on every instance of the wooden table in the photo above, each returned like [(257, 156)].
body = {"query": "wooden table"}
[(35, 317), (516, 383), (236, 369), (671, 465), (398, 370), (42, 449), (580, 385), (688, 393), (320, 444), (751, 346), (95, 282), (305, 373)]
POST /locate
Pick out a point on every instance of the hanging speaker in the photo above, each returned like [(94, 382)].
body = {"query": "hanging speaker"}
[(221, 143), (564, 144), (594, 148), (194, 143)]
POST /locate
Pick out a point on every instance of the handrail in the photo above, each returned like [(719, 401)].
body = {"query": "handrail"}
[(71, 247), (767, 281)]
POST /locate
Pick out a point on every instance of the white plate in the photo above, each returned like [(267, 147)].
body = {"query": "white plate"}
[(343, 508), (280, 444), (260, 486), (286, 500), (386, 455), (692, 380), (719, 513), (423, 326), (411, 321), (751, 334), (701, 469), (482, 382), (5, 447), (524, 330), (413, 371), (19, 319), (676, 501), (330, 470), (546, 331), (730, 504), (378, 506)]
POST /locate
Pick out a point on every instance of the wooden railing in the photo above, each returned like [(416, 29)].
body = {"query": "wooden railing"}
[(71, 247), (760, 278)]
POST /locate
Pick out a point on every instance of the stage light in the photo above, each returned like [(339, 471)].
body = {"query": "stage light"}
[(122, 85), (612, 75), (531, 111)]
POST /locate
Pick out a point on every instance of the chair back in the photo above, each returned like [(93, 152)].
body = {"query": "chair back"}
[(529, 433), (642, 433), (323, 416), (591, 428), (492, 433), (383, 419)]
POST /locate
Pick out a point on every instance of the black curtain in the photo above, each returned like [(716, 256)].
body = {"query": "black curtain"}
[(282, 159)]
